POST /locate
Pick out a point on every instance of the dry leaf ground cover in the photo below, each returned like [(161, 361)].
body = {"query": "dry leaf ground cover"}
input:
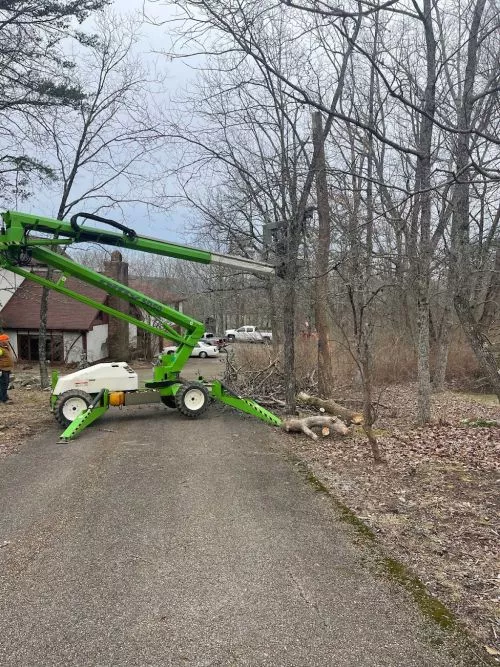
[(435, 504), (28, 414)]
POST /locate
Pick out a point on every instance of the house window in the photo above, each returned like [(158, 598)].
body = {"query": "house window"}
[(27, 346)]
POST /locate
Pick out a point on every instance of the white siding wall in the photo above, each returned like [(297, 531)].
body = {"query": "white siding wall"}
[(97, 343), (9, 282), (73, 346)]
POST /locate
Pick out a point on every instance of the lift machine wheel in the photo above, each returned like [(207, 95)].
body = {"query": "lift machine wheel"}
[(192, 399), (70, 405)]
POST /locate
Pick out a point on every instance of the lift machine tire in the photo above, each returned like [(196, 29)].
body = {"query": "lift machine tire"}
[(70, 405)]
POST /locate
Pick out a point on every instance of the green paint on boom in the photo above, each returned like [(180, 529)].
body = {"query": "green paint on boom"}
[(20, 242)]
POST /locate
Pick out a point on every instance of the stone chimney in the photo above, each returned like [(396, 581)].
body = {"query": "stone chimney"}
[(118, 341)]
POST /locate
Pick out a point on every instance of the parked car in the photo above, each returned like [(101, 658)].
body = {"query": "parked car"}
[(249, 334), (201, 349), (214, 339)]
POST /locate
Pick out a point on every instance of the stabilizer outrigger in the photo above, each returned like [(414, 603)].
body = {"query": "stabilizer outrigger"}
[(80, 398)]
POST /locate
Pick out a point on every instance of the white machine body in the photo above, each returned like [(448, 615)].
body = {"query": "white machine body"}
[(112, 376)]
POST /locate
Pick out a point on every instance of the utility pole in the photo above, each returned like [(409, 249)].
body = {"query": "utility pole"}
[(325, 373)]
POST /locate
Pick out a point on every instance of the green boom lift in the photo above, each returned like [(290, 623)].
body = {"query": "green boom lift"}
[(78, 399)]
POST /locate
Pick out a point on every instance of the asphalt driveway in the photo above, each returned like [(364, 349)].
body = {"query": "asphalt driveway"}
[(154, 540)]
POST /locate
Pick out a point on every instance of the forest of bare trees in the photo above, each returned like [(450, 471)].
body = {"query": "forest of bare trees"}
[(354, 146), (408, 214)]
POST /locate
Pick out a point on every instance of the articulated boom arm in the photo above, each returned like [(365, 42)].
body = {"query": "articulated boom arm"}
[(18, 227), (20, 240), (17, 244)]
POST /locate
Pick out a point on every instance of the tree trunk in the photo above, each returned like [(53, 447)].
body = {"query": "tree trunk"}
[(492, 299), (289, 335), (480, 344), (461, 248), (42, 335), (44, 311), (423, 357), (366, 325), (306, 424), (423, 178), (331, 407), (325, 373), (369, 420), (443, 342), (273, 290)]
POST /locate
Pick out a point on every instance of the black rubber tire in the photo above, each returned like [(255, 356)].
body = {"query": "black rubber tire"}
[(203, 355), (230, 338), (266, 340), (170, 352), (169, 401), (183, 398), (61, 400)]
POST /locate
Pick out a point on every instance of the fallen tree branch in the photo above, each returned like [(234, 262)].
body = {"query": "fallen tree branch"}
[(331, 407), (269, 400), (306, 424)]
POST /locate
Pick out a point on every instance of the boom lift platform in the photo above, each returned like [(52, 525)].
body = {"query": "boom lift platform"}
[(78, 399)]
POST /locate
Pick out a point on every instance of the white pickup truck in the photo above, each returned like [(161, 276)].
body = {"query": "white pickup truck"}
[(248, 334)]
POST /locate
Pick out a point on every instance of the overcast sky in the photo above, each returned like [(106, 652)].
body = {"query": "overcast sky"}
[(175, 224)]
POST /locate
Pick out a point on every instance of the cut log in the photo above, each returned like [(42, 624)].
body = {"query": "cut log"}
[(306, 425), (331, 407)]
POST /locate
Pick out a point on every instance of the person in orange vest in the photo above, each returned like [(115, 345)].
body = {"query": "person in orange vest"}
[(6, 367)]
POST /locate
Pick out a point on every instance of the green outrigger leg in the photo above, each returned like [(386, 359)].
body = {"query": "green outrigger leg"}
[(95, 410), (225, 395), (218, 391)]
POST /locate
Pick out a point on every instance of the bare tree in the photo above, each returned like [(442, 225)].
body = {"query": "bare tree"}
[(99, 146), (422, 213), (36, 77), (394, 152), (263, 35), (325, 374), (460, 254)]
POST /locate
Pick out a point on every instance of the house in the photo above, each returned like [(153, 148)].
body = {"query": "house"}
[(74, 330)]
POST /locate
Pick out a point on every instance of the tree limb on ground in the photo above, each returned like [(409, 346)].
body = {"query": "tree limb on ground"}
[(306, 424), (331, 407)]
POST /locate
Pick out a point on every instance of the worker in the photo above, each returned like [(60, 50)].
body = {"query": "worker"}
[(6, 366)]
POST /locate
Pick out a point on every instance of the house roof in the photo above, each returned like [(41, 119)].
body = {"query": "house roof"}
[(64, 313), (156, 288)]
